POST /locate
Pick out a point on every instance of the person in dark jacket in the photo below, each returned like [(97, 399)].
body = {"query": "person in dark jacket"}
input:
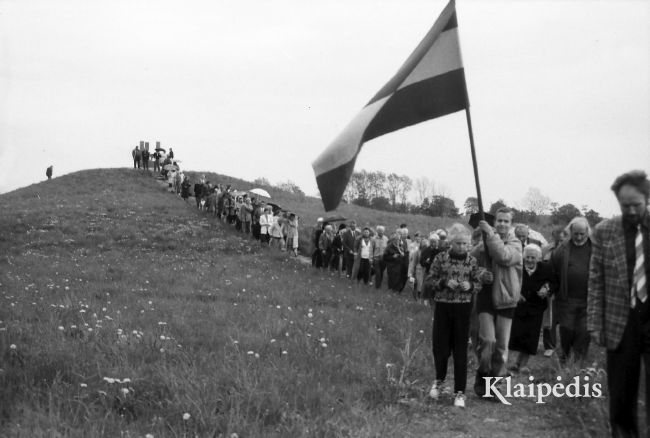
[(536, 285), (396, 257), (185, 188), (316, 256), (48, 172), (571, 267), (349, 239)]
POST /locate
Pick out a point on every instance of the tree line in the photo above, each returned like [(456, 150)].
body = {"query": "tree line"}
[(390, 192)]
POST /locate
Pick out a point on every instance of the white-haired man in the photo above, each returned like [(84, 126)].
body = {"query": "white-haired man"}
[(571, 266)]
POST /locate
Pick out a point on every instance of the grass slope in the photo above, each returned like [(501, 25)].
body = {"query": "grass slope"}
[(122, 309)]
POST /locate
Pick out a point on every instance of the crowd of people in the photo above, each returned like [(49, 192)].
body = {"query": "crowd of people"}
[(498, 287), (264, 221), (495, 286)]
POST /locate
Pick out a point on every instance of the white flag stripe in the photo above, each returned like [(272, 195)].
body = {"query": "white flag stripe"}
[(442, 57), (345, 147)]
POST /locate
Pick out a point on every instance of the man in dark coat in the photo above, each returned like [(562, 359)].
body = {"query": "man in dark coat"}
[(48, 172), (349, 239)]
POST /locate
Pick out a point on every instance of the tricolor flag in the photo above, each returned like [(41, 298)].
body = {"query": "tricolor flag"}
[(430, 84)]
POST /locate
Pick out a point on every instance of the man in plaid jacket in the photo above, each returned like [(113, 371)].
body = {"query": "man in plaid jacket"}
[(618, 311)]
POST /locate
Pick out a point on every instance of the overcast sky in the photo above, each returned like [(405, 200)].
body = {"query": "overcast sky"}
[(560, 90)]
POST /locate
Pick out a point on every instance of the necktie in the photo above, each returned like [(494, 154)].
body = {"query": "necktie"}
[(638, 279)]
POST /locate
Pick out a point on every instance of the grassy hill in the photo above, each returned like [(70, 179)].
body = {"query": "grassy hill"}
[(125, 312)]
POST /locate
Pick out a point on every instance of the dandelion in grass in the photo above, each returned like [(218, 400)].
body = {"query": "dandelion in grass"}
[(109, 380), (124, 391), (83, 385), (250, 353), (61, 328), (284, 352), (186, 416), (272, 341)]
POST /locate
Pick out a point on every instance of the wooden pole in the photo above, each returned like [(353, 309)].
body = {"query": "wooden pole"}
[(474, 163)]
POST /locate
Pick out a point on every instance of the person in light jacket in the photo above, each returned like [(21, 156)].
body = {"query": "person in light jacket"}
[(266, 220), (498, 298)]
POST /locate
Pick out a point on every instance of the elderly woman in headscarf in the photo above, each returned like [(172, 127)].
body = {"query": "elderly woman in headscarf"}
[(454, 278), (527, 321), (396, 257)]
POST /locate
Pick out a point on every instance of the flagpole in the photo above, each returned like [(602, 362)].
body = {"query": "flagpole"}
[(476, 179), (471, 144)]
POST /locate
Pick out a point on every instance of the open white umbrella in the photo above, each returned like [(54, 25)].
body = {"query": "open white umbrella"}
[(261, 192)]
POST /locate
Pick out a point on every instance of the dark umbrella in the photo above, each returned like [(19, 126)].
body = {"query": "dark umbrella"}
[(338, 218), (275, 206), (474, 219), (160, 149)]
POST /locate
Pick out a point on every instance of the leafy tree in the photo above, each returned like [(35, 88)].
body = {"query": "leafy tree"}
[(261, 181), (593, 217), (291, 187), (564, 214), (471, 205), (443, 207), (381, 203), (497, 205)]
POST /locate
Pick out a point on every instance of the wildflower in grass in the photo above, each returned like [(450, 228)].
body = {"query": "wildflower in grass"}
[(284, 352), (149, 435), (324, 345), (83, 385), (310, 315), (257, 355), (109, 380), (61, 328), (272, 341), (186, 416), (124, 391), (250, 353)]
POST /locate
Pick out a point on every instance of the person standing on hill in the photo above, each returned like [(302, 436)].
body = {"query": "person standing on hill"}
[(246, 215), (185, 188), (496, 304), (618, 309), (156, 163), (571, 266), (316, 256), (137, 156), (145, 159), (325, 244), (292, 233), (171, 154), (454, 278), (362, 251), (396, 257), (349, 238), (377, 247), (266, 221), (48, 172)]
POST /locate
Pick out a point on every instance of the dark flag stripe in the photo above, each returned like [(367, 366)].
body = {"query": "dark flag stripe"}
[(424, 100), (332, 184)]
